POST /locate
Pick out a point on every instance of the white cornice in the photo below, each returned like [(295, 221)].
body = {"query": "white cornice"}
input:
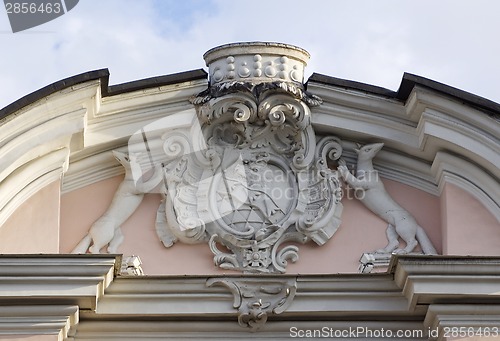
[(416, 291), (56, 279), (36, 143), (425, 129), (38, 320), (121, 115), (461, 138), (398, 167), (85, 125), (457, 171), (28, 179), (422, 99), (149, 98), (463, 320), (39, 139), (437, 279), (91, 169)]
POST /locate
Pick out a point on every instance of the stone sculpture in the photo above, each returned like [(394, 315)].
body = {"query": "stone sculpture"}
[(400, 222), (252, 178), (106, 231)]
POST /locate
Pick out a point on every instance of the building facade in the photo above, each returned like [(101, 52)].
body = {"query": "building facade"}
[(248, 203)]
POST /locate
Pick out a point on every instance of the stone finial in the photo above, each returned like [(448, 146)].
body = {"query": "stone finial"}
[(256, 62)]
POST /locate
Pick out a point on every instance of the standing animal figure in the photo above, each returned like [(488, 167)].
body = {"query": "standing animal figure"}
[(400, 222), (107, 229)]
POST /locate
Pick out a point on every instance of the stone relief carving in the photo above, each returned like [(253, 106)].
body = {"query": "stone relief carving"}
[(106, 231), (258, 298), (401, 224), (250, 178)]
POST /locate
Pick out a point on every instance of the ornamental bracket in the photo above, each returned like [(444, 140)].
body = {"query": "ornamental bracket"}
[(258, 298)]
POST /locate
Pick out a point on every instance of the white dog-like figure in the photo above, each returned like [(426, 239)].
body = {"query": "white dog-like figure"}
[(400, 222)]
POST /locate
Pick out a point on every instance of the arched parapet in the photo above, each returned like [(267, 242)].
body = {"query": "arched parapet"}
[(37, 140), (452, 169), (433, 134)]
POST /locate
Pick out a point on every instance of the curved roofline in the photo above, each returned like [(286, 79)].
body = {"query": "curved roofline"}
[(408, 82), (106, 90)]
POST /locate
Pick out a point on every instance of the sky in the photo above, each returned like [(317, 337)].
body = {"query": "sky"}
[(455, 42)]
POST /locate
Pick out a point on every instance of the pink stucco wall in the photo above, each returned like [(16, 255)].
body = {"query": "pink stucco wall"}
[(469, 228), (34, 226), (361, 231), (457, 224)]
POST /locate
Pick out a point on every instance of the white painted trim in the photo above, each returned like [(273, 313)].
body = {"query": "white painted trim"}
[(38, 320), (416, 135), (20, 185), (417, 292), (457, 171), (470, 320), (56, 279), (91, 169)]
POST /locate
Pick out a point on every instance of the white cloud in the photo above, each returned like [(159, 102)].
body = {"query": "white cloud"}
[(454, 42)]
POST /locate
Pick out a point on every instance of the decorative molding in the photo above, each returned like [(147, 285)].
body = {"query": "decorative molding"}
[(258, 298), (56, 279), (119, 117), (38, 320), (131, 265), (411, 131), (477, 144), (463, 321), (39, 294), (448, 168), (176, 297), (440, 279), (429, 125), (229, 330), (256, 62), (29, 179), (36, 143), (89, 169)]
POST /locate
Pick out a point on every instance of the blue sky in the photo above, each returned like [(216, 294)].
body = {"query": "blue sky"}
[(451, 41)]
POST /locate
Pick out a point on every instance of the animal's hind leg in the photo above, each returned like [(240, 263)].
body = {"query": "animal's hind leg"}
[(406, 228), (392, 238)]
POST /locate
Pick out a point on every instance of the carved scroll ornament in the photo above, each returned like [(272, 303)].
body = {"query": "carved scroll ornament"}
[(248, 176), (260, 183)]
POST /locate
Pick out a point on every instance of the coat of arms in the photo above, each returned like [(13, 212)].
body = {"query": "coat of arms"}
[(249, 176)]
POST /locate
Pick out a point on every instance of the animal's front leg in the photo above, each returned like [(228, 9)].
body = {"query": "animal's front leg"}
[(116, 241), (102, 232), (348, 177)]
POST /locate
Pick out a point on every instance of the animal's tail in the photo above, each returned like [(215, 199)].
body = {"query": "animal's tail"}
[(425, 242), (83, 245)]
